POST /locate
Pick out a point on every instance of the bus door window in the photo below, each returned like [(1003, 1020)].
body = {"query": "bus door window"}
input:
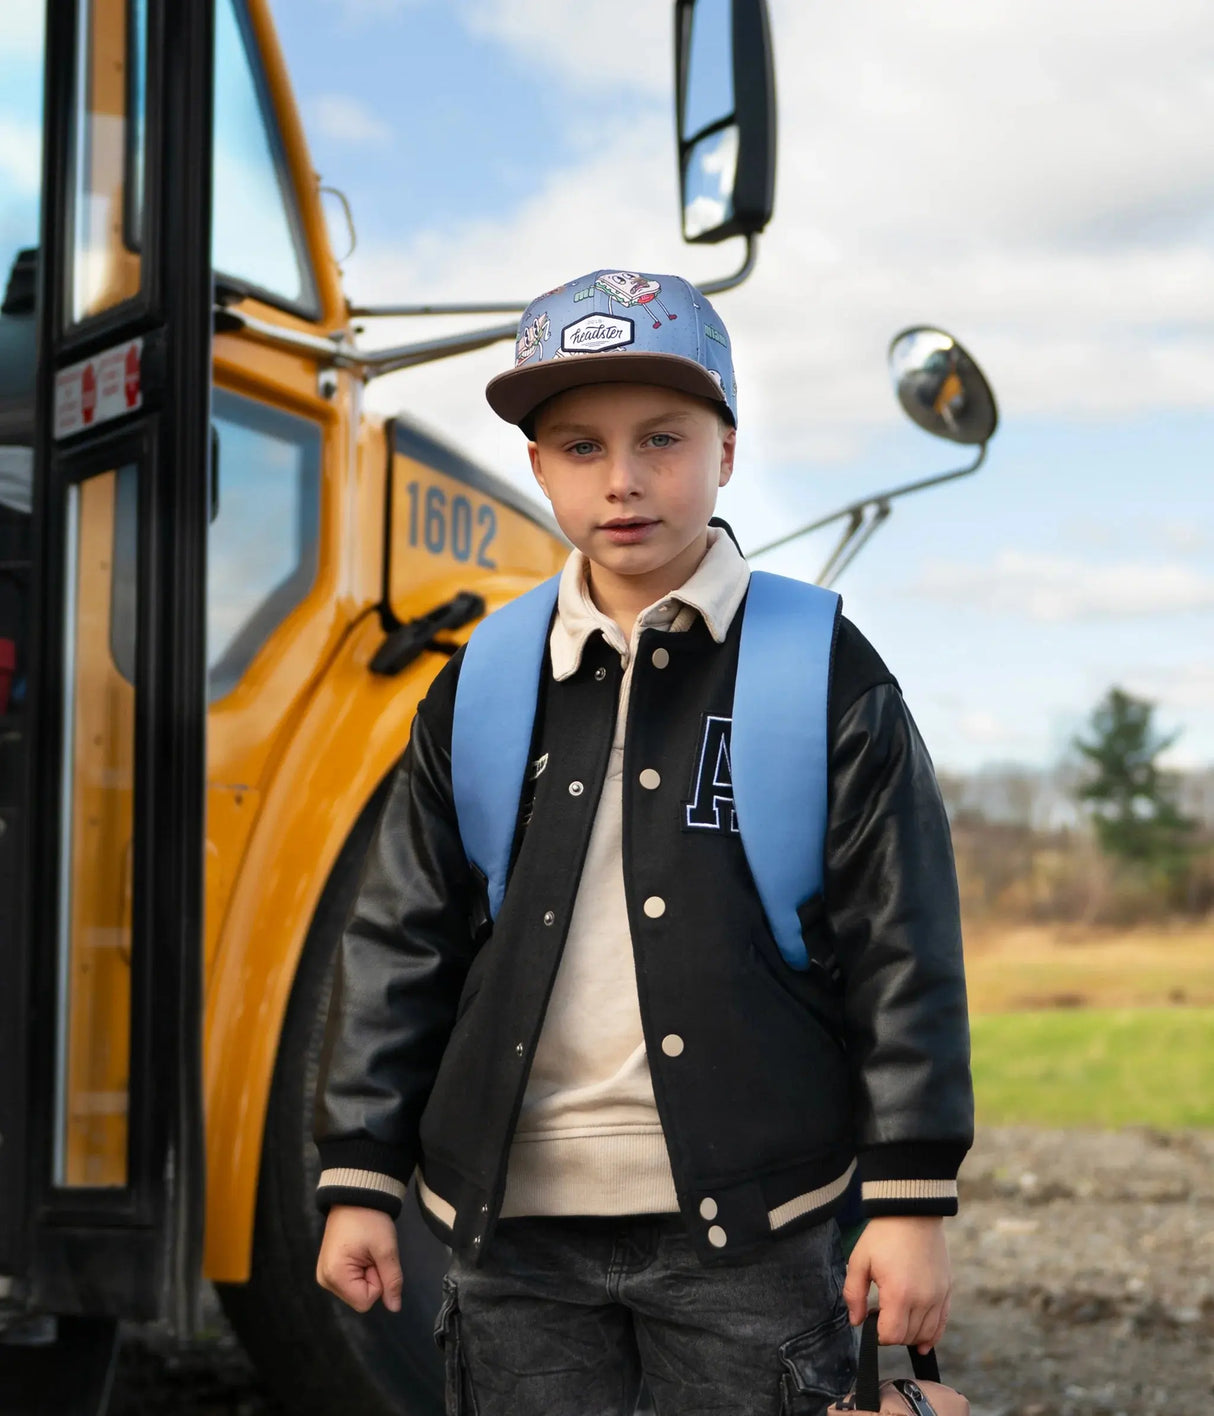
[(107, 158), (96, 824)]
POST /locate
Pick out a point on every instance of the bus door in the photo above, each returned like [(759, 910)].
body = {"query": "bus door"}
[(100, 966)]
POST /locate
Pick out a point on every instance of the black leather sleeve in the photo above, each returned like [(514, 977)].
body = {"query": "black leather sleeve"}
[(891, 902), (401, 965)]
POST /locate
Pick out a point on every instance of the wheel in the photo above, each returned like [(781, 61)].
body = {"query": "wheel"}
[(318, 1356)]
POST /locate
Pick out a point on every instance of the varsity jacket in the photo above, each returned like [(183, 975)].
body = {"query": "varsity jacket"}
[(772, 1084)]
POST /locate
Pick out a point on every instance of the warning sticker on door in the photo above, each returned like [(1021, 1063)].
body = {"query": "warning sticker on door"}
[(99, 389)]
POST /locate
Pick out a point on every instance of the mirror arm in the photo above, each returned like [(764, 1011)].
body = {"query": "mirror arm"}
[(339, 353), (714, 287), (855, 519), (374, 312), (855, 510), (406, 356), (835, 567)]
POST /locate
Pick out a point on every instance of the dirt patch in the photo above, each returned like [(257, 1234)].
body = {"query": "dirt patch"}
[(1084, 1284), (1084, 1273)]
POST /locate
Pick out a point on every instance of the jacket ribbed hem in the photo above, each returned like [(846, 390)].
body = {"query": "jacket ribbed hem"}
[(614, 1172)]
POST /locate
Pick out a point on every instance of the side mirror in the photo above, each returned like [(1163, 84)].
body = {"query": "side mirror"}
[(940, 387), (726, 115)]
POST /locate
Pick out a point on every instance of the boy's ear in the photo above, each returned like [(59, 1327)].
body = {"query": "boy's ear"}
[(729, 441), (533, 453)]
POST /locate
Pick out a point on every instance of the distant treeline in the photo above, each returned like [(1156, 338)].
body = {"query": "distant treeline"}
[(1106, 836)]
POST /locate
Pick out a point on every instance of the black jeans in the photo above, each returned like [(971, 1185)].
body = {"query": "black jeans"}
[(567, 1315)]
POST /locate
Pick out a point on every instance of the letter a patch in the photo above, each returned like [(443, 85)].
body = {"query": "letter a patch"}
[(711, 806)]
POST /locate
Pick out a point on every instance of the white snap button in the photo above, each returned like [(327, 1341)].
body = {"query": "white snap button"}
[(654, 907), (651, 779), (549, 917), (520, 1049), (717, 1237), (576, 789), (708, 1209), (661, 657), (600, 675), (672, 1044)]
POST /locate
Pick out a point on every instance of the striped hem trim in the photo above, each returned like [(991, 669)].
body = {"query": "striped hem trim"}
[(812, 1199), (909, 1190), (348, 1179), (437, 1206)]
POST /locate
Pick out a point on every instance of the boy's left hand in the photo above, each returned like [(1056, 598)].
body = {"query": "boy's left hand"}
[(906, 1256)]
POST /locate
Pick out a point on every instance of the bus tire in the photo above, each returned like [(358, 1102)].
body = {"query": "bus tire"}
[(318, 1356)]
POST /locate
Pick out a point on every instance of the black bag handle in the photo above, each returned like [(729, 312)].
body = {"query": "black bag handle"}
[(868, 1382)]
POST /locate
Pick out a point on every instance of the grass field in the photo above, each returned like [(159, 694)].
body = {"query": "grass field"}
[(1095, 1067), (1098, 1029), (1032, 967)]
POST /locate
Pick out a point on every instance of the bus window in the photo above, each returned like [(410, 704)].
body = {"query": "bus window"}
[(21, 128), (262, 552), (257, 237)]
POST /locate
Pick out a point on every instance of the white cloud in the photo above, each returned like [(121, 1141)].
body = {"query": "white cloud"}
[(985, 728), (371, 11), (1188, 686), (21, 156), (592, 44), (1034, 176), (21, 31), (347, 120), (1056, 588)]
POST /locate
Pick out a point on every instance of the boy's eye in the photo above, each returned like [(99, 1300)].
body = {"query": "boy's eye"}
[(582, 448), (661, 440)]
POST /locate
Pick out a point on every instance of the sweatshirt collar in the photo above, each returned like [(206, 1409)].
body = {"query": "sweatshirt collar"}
[(714, 590)]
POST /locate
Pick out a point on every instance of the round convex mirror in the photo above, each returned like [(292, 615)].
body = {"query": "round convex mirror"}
[(940, 387)]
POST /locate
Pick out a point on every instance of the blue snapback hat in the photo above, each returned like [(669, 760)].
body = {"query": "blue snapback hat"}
[(616, 326)]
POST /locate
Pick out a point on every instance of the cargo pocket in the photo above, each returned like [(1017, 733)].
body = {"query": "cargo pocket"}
[(819, 1367), (457, 1390)]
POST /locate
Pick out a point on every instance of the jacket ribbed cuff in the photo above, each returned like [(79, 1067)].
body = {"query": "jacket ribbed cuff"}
[(362, 1153), (362, 1172), (908, 1177), (368, 1189)]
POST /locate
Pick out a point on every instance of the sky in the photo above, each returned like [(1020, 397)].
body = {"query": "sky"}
[(1036, 177)]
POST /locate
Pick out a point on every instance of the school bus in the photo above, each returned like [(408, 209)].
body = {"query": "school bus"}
[(224, 588)]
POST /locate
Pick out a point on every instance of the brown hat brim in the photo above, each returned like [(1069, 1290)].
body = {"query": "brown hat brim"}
[(517, 393)]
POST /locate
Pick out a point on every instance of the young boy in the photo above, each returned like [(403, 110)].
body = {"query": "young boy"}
[(635, 1113)]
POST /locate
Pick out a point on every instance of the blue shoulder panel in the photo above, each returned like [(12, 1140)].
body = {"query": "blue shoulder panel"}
[(779, 748), (495, 704)]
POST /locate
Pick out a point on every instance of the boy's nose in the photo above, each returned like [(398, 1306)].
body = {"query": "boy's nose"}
[(623, 480)]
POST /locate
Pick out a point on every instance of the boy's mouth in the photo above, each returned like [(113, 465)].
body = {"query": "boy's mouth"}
[(625, 530)]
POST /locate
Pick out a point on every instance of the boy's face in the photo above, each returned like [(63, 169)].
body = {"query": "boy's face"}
[(632, 471)]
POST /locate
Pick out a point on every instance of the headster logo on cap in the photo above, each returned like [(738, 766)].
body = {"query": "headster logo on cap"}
[(593, 334)]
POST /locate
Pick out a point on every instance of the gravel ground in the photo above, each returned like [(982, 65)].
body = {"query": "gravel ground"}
[(1084, 1268)]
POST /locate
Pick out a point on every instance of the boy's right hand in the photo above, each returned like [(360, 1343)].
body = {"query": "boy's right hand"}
[(359, 1259)]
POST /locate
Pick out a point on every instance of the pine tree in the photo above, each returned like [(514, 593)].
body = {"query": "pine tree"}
[(1131, 799)]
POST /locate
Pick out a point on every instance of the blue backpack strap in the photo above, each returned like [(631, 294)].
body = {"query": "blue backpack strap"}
[(779, 748), (495, 702)]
